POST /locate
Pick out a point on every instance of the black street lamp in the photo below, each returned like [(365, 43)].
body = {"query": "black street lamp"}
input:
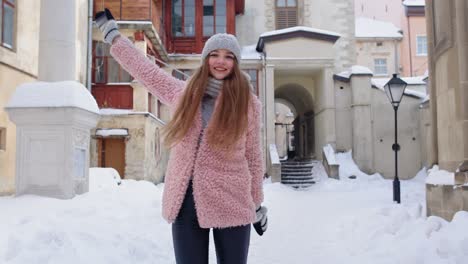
[(394, 90)]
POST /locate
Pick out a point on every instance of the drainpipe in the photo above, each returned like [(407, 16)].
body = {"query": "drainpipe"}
[(397, 57), (90, 45), (410, 48)]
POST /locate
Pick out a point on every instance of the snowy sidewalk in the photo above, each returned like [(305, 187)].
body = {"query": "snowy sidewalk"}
[(347, 221)]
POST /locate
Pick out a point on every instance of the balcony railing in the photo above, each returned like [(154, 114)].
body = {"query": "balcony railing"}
[(135, 10)]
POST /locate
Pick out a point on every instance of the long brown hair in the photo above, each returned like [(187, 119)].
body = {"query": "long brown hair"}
[(229, 120)]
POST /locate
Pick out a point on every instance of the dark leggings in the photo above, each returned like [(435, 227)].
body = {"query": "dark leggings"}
[(191, 241)]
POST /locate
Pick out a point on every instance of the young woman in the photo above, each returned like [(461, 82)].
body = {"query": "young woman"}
[(215, 171)]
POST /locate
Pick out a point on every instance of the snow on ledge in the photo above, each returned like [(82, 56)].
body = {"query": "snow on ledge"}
[(299, 28), (355, 70), (440, 177), (330, 154), (104, 132), (414, 3), (250, 53), (274, 154), (53, 94)]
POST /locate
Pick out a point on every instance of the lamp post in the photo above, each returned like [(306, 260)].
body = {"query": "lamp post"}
[(394, 89)]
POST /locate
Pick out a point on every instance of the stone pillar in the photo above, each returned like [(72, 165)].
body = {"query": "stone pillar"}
[(325, 112), (57, 41), (361, 121), (462, 44), (53, 122), (269, 113)]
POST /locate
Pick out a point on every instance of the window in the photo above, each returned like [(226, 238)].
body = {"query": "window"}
[(214, 17), (380, 66), (105, 68), (253, 79), (7, 23), (181, 74), (421, 42), (2, 138), (286, 13), (183, 18)]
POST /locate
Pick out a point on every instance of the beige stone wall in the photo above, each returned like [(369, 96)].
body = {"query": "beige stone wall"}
[(344, 140), (140, 157), (24, 56), (17, 66), (252, 23), (426, 134), (10, 78), (367, 51), (448, 68), (409, 136)]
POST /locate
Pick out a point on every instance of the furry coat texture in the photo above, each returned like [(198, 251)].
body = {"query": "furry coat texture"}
[(227, 183)]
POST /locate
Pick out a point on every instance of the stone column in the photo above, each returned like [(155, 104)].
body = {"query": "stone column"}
[(54, 117), (462, 43), (270, 115), (57, 41), (325, 112), (361, 121)]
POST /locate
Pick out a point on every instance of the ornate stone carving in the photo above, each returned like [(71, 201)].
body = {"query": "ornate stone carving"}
[(80, 138)]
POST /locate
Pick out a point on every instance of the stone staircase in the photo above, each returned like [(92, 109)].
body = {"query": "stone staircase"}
[(298, 174)]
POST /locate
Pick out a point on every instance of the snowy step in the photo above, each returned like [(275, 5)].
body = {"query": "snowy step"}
[(289, 166), (295, 169), (297, 182), (298, 173)]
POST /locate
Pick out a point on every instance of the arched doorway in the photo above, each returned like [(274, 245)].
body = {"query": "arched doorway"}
[(301, 131)]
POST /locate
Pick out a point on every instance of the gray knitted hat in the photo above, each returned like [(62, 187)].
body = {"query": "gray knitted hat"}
[(222, 41)]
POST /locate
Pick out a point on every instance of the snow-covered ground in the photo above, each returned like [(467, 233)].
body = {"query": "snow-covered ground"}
[(346, 221)]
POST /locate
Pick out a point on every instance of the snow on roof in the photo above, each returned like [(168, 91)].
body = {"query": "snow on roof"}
[(53, 94), (380, 83), (414, 2), (355, 70), (371, 28), (250, 53), (107, 132), (299, 28)]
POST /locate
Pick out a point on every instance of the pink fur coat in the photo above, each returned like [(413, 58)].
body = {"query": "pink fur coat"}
[(227, 183)]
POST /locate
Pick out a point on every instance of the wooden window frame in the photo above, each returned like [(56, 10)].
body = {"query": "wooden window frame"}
[(214, 19), (105, 63), (184, 35), (2, 23), (286, 9)]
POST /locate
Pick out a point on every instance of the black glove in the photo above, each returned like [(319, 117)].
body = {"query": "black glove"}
[(261, 221), (106, 23)]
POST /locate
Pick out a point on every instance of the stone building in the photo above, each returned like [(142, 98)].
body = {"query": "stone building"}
[(21, 38), (409, 17), (448, 68)]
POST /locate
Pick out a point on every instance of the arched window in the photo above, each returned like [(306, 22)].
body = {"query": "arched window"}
[(286, 13)]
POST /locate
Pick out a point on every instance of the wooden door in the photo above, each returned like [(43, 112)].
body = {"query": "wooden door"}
[(112, 154)]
